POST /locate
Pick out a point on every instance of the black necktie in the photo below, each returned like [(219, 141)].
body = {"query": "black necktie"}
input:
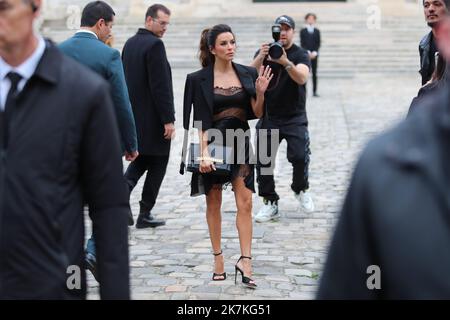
[(10, 103)]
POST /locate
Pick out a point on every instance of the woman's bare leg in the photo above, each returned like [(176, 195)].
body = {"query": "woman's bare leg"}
[(214, 219), (244, 223)]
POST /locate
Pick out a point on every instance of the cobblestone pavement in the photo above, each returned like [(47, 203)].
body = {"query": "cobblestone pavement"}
[(175, 261)]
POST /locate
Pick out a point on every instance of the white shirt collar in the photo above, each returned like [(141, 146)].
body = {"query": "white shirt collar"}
[(87, 31), (26, 70), (310, 28)]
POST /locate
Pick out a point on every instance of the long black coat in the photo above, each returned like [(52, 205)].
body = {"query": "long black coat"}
[(397, 213), (310, 41), (149, 80), (63, 152), (423, 94)]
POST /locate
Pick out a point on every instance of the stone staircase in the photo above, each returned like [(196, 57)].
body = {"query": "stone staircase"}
[(349, 47)]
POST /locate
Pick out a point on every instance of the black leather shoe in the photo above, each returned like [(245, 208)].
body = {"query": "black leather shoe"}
[(91, 264), (148, 221), (130, 218)]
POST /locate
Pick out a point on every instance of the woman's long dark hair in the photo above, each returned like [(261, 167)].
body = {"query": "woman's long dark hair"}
[(208, 40)]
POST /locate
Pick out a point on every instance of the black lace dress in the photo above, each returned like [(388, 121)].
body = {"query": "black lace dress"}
[(230, 105)]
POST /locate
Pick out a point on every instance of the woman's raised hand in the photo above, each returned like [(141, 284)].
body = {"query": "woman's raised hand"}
[(262, 82)]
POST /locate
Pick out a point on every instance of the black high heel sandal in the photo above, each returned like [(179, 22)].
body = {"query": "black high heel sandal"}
[(217, 275), (246, 281)]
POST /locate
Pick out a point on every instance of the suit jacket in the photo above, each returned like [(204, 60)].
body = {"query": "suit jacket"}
[(310, 41), (199, 92), (63, 152), (149, 79), (88, 50)]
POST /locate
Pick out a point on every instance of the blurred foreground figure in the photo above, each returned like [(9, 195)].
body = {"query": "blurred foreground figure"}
[(392, 239), (59, 148)]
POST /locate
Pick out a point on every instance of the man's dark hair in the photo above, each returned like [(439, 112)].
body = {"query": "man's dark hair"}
[(152, 11), (313, 15), (446, 3), (95, 11)]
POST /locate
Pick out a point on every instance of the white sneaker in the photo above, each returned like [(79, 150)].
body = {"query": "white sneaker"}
[(269, 211), (306, 202)]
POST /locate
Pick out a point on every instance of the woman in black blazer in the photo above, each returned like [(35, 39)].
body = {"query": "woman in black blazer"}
[(224, 96)]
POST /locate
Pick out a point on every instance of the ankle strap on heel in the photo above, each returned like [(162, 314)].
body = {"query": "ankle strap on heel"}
[(217, 254), (244, 257)]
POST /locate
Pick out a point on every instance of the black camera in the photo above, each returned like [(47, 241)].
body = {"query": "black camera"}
[(276, 48)]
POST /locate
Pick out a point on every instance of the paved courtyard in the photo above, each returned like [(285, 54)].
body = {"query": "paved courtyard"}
[(367, 81), (175, 261)]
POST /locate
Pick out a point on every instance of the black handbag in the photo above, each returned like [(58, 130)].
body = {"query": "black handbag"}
[(220, 155)]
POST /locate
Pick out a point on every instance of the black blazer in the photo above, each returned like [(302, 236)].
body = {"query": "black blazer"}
[(64, 151), (199, 92), (310, 41), (149, 80)]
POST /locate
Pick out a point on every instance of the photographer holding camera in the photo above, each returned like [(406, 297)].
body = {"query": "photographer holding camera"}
[(286, 112)]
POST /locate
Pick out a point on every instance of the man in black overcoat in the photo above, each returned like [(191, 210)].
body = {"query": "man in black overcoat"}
[(149, 80), (59, 149)]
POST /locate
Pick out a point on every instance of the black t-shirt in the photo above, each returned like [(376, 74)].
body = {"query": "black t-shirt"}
[(284, 97)]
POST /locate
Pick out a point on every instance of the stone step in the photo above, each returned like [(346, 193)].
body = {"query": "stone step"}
[(253, 25), (348, 46)]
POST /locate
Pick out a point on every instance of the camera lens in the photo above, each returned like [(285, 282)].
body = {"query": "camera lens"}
[(276, 50)]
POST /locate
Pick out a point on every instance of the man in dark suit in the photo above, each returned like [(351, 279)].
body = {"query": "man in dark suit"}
[(149, 81), (310, 40), (59, 147), (434, 11), (88, 47)]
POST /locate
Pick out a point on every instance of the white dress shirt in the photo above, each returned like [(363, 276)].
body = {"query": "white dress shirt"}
[(26, 70)]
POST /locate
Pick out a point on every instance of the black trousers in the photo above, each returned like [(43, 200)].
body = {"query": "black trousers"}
[(156, 170), (314, 64), (298, 151)]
